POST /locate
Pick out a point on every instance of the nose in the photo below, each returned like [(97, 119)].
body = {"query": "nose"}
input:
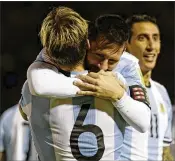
[(151, 45), (104, 65)]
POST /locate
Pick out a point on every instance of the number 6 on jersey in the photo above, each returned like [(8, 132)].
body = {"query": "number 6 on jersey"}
[(78, 129)]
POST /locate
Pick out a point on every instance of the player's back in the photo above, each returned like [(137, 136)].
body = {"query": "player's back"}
[(79, 128)]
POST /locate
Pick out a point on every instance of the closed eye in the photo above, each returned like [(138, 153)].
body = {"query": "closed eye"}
[(100, 56), (141, 37), (112, 61)]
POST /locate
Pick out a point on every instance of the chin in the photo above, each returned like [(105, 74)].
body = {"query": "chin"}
[(149, 68)]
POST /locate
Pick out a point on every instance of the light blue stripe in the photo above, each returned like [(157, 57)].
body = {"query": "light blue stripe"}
[(152, 148), (127, 145), (118, 137), (40, 126)]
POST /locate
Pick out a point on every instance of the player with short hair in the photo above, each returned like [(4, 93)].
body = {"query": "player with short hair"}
[(102, 56), (144, 43), (15, 137)]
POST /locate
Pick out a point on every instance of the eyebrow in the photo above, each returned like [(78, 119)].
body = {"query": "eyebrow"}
[(99, 54), (146, 34)]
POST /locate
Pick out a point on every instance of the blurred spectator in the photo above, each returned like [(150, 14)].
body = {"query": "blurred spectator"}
[(15, 137)]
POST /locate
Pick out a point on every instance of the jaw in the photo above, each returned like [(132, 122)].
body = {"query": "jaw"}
[(147, 66)]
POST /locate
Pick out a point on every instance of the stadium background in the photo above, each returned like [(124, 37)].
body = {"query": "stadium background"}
[(20, 25)]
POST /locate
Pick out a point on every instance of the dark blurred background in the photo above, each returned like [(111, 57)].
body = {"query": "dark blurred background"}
[(20, 25)]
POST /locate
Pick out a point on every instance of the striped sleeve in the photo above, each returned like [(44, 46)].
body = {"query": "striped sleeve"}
[(129, 68)]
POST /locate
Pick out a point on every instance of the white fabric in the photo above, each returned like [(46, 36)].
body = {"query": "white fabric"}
[(45, 80), (16, 135), (132, 111), (53, 119)]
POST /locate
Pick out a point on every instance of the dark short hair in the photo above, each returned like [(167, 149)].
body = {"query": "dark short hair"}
[(112, 27), (139, 18)]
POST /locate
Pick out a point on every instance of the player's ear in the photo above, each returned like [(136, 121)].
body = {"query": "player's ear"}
[(88, 44)]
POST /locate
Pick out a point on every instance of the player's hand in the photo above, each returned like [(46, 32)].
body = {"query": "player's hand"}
[(102, 84)]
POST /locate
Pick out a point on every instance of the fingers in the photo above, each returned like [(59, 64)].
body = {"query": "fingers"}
[(101, 72), (86, 93), (88, 79), (121, 84), (85, 86), (90, 93), (106, 73), (93, 75)]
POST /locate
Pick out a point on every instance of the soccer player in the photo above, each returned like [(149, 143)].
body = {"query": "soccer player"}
[(79, 128), (144, 43), (100, 58), (129, 107), (15, 137)]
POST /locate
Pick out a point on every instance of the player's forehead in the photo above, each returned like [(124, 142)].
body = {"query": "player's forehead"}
[(105, 48), (148, 28)]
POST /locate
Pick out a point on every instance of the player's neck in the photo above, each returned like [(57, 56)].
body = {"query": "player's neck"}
[(76, 68), (146, 78)]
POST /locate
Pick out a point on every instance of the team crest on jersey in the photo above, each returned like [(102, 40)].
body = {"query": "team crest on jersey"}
[(162, 109)]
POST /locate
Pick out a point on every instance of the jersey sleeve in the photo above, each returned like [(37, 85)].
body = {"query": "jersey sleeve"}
[(128, 107), (129, 68), (135, 100), (45, 80)]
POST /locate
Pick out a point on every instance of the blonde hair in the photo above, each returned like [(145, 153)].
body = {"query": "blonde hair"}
[(63, 29)]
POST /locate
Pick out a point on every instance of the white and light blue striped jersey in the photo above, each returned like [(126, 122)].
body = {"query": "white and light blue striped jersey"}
[(79, 128), (15, 136), (161, 120), (135, 143), (129, 68)]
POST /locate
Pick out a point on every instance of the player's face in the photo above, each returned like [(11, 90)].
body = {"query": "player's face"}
[(145, 44), (103, 56)]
